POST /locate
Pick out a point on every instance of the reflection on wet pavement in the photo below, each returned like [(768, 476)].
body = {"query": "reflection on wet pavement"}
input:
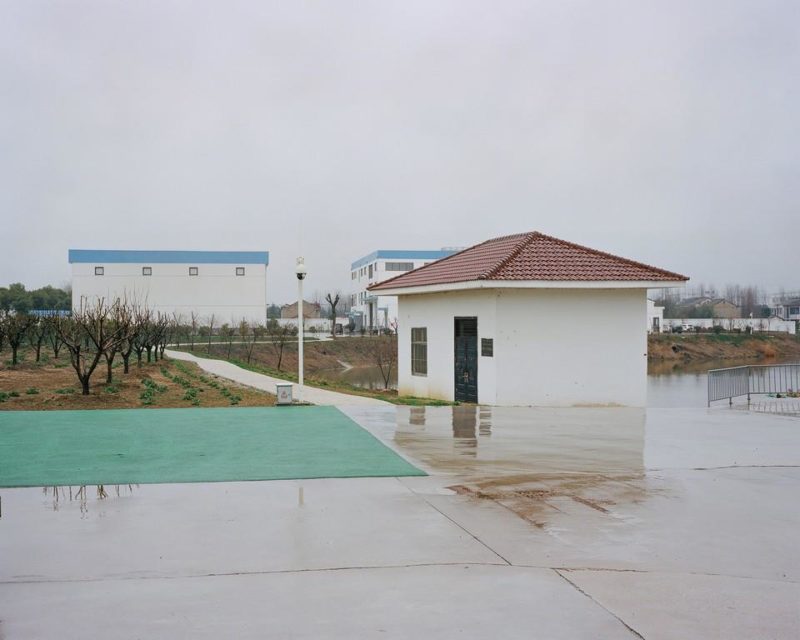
[(532, 461), (57, 497)]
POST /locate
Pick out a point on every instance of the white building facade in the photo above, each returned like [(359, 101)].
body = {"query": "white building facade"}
[(506, 323), (378, 311), (655, 317), (229, 286)]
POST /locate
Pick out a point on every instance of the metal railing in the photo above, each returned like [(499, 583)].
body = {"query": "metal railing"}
[(735, 382)]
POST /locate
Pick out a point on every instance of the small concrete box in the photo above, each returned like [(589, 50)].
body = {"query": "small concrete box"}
[(284, 393)]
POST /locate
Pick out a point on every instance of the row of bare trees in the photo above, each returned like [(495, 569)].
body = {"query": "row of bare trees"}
[(95, 333)]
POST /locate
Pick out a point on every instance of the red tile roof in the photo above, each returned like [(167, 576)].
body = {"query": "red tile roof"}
[(528, 256)]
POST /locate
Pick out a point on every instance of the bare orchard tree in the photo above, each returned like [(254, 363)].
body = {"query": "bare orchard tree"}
[(247, 335), (121, 319), (333, 301), (138, 319), (177, 330), (15, 328), (383, 351), (159, 336), (211, 321), (37, 334), (278, 336), (228, 332), (193, 329), (140, 338), (87, 335), (52, 336)]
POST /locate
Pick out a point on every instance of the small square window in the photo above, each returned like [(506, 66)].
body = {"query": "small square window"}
[(239, 271), (487, 347), (192, 271), (147, 271), (98, 271)]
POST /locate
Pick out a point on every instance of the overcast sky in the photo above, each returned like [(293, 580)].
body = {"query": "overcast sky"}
[(668, 132)]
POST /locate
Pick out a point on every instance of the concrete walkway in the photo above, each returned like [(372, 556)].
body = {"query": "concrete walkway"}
[(267, 383)]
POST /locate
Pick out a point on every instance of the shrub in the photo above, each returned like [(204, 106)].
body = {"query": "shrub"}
[(112, 388), (3, 396), (66, 391), (13, 394), (31, 391)]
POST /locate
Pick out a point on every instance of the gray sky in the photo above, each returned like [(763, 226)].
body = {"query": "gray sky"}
[(663, 131)]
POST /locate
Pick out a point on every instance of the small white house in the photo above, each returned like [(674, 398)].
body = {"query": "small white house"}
[(505, 323), (379, 311), (228, 285)]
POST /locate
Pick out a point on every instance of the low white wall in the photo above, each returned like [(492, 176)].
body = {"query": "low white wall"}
[(729, 324), (552, 347)]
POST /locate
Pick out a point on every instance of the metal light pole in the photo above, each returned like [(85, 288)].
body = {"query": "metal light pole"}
[(300, 271)]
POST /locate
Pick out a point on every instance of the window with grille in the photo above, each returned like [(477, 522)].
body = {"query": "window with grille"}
[(399, 266), (239, 271), (487, 347), (98, 271), (147, 271), (419, 351), (193, 271)]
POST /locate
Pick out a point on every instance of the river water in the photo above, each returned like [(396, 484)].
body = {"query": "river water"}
[(668, 384)]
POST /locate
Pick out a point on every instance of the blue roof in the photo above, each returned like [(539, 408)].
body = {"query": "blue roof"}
[(106, 256), (400, 254)]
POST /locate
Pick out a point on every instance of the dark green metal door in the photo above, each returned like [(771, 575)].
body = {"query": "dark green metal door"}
[(466, 359)]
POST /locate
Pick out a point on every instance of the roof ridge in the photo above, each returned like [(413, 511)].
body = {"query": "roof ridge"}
[(608, 255), (526, 240)]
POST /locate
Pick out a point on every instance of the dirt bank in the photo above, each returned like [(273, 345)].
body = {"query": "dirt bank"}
[(688, 348)]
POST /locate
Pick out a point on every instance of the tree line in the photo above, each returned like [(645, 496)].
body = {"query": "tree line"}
[(15, 297)]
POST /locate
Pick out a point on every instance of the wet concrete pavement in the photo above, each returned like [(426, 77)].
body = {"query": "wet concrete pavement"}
[(570, 523)]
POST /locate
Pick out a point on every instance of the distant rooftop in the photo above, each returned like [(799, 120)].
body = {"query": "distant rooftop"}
[(402, 254), (531, 256), (107, 256)]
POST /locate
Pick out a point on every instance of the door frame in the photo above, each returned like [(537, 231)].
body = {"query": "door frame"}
[(456, 319)]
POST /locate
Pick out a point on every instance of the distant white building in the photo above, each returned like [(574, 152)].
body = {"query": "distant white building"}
[(655, 317), (505, 323), (378, 311), (228, 285), (787, 308)]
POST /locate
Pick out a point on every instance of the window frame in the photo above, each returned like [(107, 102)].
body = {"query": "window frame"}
[(240, 271), (99, 271), (194, 271), (419, 351), (147, 271), (399, 267), (487, 347)]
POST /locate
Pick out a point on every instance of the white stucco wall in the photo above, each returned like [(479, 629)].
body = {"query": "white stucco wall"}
[(215, 290), (552, 347)]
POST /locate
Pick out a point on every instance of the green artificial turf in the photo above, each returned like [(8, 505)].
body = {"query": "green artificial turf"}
[(139, 446)]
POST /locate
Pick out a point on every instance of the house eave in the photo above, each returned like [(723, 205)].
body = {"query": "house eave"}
[(529, 284)]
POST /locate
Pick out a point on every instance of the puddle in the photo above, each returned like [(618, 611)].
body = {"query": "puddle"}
[(532, 461), (62, 497)]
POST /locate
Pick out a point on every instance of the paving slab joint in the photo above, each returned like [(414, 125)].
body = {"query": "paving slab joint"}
[(633, 631)]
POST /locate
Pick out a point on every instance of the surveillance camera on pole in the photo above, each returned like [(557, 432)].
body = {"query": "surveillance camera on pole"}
[(300, 271)]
